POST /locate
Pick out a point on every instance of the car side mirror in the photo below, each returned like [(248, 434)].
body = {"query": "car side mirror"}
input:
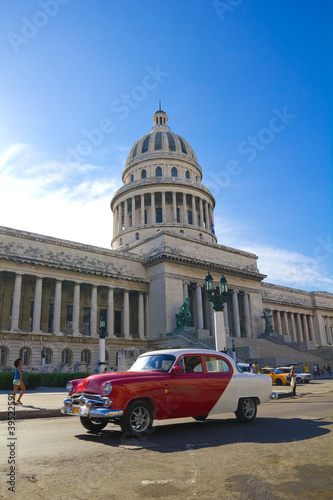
[(177, 369)]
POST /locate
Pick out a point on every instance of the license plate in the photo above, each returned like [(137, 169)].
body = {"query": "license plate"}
[(75, 410)]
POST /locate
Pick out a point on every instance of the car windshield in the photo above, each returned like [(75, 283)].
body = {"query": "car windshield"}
[(157, 362), (277, 372)]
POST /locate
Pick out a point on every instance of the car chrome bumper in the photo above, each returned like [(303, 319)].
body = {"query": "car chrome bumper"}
[(85, 407)]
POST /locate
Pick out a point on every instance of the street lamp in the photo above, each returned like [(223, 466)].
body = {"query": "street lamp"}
[(218, 296)]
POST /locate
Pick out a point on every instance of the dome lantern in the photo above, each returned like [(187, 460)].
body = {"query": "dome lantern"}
[(160, 118)]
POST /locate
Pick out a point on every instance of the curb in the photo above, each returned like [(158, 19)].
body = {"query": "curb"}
[(24, 414)]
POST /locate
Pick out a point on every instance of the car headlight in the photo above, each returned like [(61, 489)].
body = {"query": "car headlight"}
[(107, 388), (69, 387)]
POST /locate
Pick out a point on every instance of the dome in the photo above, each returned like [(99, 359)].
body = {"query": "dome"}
[(160, 142)]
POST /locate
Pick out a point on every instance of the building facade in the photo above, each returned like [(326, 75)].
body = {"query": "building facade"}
[(57, 297)]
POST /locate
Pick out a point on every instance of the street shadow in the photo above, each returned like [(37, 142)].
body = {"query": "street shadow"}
[(212, 433)]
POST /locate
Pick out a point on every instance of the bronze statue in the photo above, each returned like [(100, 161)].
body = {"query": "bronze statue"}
[(183, 317)]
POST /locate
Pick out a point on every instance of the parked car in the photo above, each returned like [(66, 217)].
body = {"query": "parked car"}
[(278, 377), (300, 377), (167, 384)]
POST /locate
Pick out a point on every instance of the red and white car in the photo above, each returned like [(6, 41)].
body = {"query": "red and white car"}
[(167, 384)]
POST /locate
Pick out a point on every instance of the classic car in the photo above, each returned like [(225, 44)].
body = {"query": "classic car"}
[(300, 377), (278, 377), (167, 384)]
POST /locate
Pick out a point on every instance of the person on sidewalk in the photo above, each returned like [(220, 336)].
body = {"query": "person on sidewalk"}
[(292, 376), (18, 381)]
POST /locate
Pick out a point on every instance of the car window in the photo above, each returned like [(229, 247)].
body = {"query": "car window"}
[(191, 364), (264, 370), (277, 372), (161, 363), (216, 365)]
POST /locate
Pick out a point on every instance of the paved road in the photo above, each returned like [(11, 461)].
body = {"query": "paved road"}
[(286, 453)]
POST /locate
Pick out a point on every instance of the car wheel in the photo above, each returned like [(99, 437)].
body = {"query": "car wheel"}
[(93, 424), (138, 418), (247, 410), (278, 381), (202, 418), (299, 380)]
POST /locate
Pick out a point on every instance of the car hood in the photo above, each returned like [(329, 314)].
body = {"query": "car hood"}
[(95, 383)]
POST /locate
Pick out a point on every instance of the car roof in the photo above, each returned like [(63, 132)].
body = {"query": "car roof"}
[(180, 352)]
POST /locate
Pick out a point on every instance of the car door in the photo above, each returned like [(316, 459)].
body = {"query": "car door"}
[(190, 388), (219, 375)]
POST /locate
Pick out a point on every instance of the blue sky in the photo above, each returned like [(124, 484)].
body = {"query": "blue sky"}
[(247, 83)]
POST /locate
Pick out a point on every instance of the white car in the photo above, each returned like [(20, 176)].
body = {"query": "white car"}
[(301, 378)]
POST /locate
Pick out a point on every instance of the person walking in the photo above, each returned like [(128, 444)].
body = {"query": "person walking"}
[(18, 381), (292, 376)]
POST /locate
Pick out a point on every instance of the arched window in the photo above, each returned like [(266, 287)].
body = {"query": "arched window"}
[(85, 356), (158, 172), (137, 236), (66, 357), (174, 172), (25, 355), (132, 178), (143, 173), (181, 231), (3, 356), (48, 356), (187, 174)]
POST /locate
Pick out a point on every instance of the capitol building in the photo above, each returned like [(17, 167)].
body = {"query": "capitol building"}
[(57, 297)]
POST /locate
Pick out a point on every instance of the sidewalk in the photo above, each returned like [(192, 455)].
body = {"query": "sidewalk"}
[(44, 402)]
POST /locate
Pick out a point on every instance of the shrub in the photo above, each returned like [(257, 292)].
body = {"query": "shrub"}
[(35, 380)]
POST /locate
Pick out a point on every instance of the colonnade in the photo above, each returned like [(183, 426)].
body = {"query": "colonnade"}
[(237, 317), (298, 325), (75, 323), (174, 207)]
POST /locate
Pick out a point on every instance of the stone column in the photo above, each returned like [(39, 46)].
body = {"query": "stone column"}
[(285, 323), (57, 307), (206, 312), (14, 324), (198, 301), (126, 315), (278, 322), (207, 216), (119, 218), (110, 314), (147, 315), (152, 208), (293, 328), (76, 309), (163, 207), (126, 222), (133, 211), (247, 317), (185, 291), (194, 214), (174, 207), (141, 321), (37, 305), (299, 333), (226, 318), (311, 328), (93, 311), (237, 330), (305, 328), (185, 221), (201, 213), (142, 210)]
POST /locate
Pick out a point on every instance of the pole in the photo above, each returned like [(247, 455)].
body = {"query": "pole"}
[(101, 363), (220, 334)]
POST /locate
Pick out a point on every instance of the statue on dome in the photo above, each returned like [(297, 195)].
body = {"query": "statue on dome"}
[(183, 317)]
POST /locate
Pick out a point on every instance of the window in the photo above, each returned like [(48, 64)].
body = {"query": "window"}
[(143, 173), (132, 178), (174, 172), (3, 356), (178, 215), (216, 365), (158, 215), (189, 217), (187, 174), (137, 236), (48, 356), (86, 321), (85, 356), (117, 323), (191, 364), (158, 172), (51, 317), (66, 357), (102, 321), (69, 320), (25, 355)]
